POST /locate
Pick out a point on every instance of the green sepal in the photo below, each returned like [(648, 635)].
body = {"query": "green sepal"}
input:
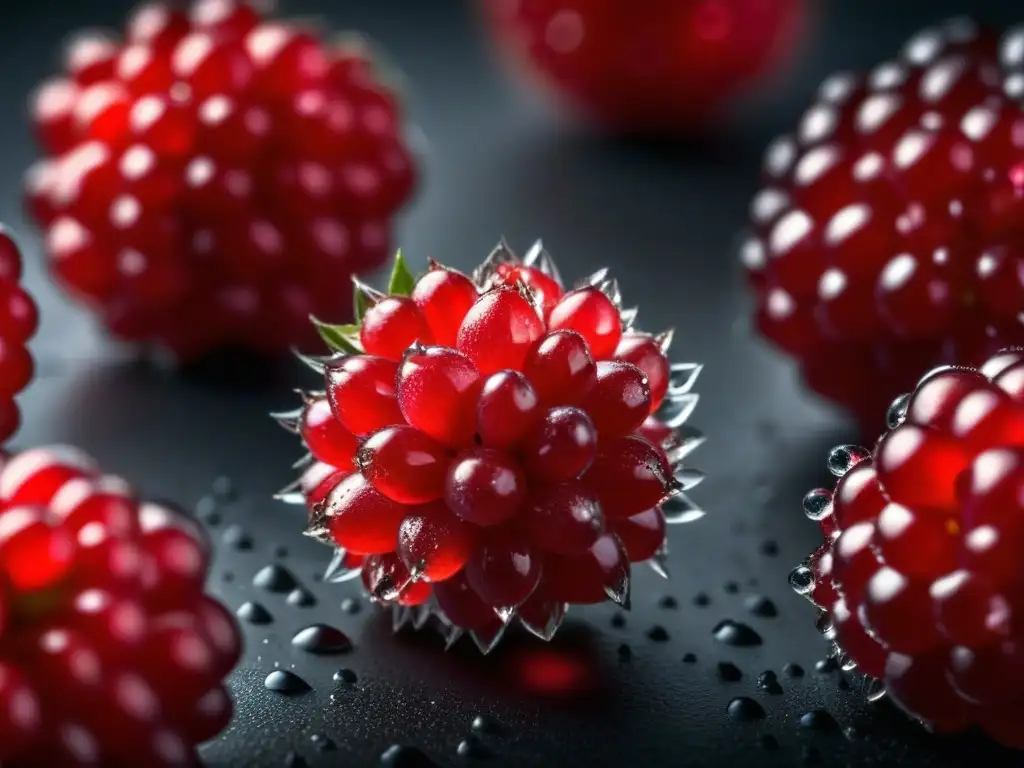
[(340, 338), (402, 279)]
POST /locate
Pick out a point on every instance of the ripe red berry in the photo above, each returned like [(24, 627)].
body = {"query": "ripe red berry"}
[(18, 321), (886, 239), (651, 69), (645, 353), (121, 644), (481, 489), (918, 575), (228, 142)]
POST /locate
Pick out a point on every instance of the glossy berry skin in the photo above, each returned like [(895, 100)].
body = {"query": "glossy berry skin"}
[(503, 477), (918, 574), (18, 321), (103, 599), (886, 238), (664, 68), (213, 177)]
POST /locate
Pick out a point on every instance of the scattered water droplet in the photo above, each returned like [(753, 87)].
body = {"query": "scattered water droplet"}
[(301, 598), (619, 620), (274, 578), (801, 579), (769, 742), (745, 709), (350, 606), (843, 458), (254, 613), (897, 412), (658, 634), (731, 587), (344, 675), (793, 670), (734, 633), (818, 720), (472, 748), (701, 599), (227, 577), (817, 504), (826, 666), (322, 640), (398, 756), (769, 548), (323, 743), (729, 672), (689, 658), (223, 489), (206, 510), (625, 652), (485, 724), (668, 602), (851, 733), (235, 537), (283, 681), (759, 605), (768, 682)]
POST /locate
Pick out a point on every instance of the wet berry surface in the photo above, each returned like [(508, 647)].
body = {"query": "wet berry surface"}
[(663, 220)]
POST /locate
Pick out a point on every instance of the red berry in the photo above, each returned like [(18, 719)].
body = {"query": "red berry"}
[(587, 578), (504, 570), (561, 446), (437, 390), (138, 653), (404, 464), (325, 436), (484, 486), (460, 604), (499, 330), (629, 475), (593, 316), (434, 543), (642, 535), (19, 319), (361, 519), (217, 138), (886, 223), (362, 393), (391, 326), (620, 400), (561, 369), (444, 297), (644, 352), (546, 292), (507, 409), (565, 519)]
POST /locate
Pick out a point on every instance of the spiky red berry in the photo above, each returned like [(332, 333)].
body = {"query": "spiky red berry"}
[(887, 237), (652, 69), (215, 177), (18, 321), (507, 473), (918, 575), (103, 597)]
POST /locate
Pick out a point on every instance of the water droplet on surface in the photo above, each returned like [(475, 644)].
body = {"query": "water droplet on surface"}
[(745, 709), (344, 675), (322, 639), (818, 720), (897, 412), (472, 748), (323, 743), (843, 458), (769, 548), (826, 666), (768, 682), (701, 599), (731, 587), (689, 658), (254, 613), (793, 670), (301, 598), (817, 504), (274, 578), (769, 742), (625, 652), (227, 577), (485, 724), (618, 620), (283, 681), (398, 756), (729, 672), (658, 634), (761, 606), (236, 538), (734, 633), (206, 510), (851, 733), (223, 489), (668, 602), (350, 606), (801, 579)]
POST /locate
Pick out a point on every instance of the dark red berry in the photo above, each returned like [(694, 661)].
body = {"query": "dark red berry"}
[(628, 475), (620, 400), (561, 369), (565, 519), (504, 570), (434, 543), (19, 319), (642, 535), (645, 353), (561, 446), (507, 410), (485, 487)]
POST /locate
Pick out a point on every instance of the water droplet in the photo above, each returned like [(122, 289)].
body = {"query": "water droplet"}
[(223, 489), (689, 658), (301, 598), (769, 548), (843, 458), (668, 602), (485, 724), (254, 613), (759, 605), (625, 652), (851, 733), (206, 510), (294, 760), (729, 672), (398, 756), (793, 670), (731, 587), (818, 504), (768, 682), (472, 748), (323, 743), (769, 742), (350, 606), (236, 538), (801, 579), (734, 633), (701, 599), (619, 620), (897, 412), (658, 634), (818, 720), (274, 578), (344, 675), (322, 639), (826, 666), (745, 709), (283, 681), (281, 551)]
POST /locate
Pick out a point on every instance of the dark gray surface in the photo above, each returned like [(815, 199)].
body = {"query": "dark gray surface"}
[(664, 218)]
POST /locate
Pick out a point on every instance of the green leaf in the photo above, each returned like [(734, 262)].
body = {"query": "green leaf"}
[(340, 338), (402, 279)]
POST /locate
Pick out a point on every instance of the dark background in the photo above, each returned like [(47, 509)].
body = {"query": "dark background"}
[(665, 219)]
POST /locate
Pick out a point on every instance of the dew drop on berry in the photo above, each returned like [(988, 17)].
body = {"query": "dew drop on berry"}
[(433, 543), (592, 315), (385, 577), (643, 351), (404, 464), (437, 391), (484, 486)]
